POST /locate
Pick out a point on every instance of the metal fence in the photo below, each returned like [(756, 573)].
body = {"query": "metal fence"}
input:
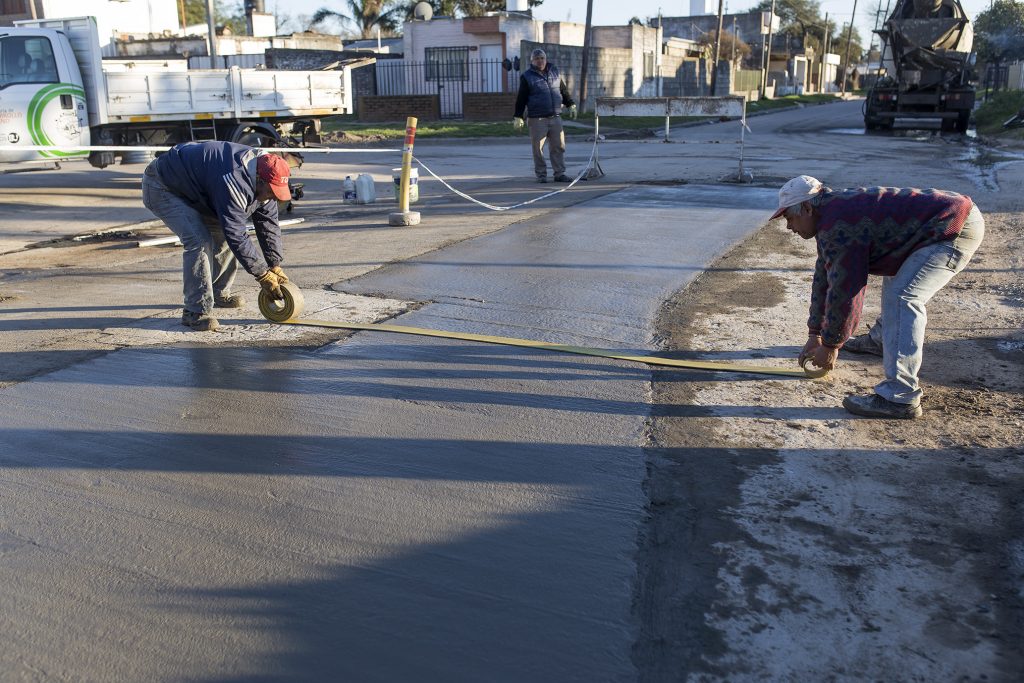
[(746, 80), (448, 75)]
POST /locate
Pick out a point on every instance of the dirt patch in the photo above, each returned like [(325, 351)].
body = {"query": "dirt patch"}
[(353, 138), (789, 540)]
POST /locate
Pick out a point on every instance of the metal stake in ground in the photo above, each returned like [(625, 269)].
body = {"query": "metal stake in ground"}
[(404, 216)]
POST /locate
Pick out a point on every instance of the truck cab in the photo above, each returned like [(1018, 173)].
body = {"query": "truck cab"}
[(42, 99)]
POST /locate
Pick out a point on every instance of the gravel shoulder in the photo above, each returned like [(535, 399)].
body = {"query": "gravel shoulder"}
[(789, 540)]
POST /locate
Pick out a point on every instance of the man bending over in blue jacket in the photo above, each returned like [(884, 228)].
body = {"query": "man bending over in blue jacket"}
[(205, 192)]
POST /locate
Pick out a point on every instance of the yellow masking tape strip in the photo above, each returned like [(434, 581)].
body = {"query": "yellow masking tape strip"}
[(579, 350)]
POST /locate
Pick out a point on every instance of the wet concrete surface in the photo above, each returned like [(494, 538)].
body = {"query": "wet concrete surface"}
[(382, 508), (386, 507)]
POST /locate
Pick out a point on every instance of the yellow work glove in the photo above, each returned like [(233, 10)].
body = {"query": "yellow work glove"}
[(572, 112), (279, 272), (271, 284), (518, 123)]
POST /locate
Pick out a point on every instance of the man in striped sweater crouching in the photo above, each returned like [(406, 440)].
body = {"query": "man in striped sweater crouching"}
[(916, 239)]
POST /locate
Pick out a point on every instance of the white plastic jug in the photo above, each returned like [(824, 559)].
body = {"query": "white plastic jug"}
[(414, 182), (348, 190), (366, 193)]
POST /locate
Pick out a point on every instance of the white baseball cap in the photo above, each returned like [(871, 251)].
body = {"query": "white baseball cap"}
[(797, 190)]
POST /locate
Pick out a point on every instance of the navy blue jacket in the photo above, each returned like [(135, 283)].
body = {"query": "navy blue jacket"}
[(542, 93), (219, 179)]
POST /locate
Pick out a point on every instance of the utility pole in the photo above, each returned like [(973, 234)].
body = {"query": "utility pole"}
[(768, 57), (718, 47), (586, 56), (734, 39), (824, 51), (849, 37), (212, 28)]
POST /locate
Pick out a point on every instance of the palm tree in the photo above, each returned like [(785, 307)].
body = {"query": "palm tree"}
[(365, 14)]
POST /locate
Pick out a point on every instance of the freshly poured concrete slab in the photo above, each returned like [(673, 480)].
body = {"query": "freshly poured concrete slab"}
[(383, 508), (594, 275)]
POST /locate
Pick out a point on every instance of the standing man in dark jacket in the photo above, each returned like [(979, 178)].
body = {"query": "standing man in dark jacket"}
[(205, 192), (542, 94), (916, 239)]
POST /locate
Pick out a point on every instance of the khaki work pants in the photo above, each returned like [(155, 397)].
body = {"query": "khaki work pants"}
[(547, 129)]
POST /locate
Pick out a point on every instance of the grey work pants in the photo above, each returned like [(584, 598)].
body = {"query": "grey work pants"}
[(208, 266), (547, 129)]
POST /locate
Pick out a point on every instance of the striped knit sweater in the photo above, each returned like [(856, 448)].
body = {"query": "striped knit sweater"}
[(871, 231)]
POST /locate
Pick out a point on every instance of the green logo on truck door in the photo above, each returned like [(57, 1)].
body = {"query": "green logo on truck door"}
[(51, 124)]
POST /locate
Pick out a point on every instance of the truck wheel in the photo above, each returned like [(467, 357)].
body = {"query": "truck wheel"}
[(254, 135), (963, 121)]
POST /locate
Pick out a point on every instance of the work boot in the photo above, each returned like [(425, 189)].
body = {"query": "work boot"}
[(542, 179), (200, 322), (875, 406), (229, 301), (562, 178), (863, 343)]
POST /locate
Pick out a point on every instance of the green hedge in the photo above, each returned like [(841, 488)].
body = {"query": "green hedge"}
[(999, 107)]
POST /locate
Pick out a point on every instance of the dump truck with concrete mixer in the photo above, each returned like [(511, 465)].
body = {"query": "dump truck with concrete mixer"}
[(927, 58), (56, 90)]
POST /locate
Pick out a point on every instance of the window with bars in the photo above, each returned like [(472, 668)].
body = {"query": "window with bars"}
[(447, 63)]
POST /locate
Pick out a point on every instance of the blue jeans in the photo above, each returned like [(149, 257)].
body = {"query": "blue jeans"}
[(904, 296), (208, 266)]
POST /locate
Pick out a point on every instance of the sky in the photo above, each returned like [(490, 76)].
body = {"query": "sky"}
[(612, 12)]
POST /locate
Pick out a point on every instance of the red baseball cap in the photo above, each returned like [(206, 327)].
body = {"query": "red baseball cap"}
[(274, 170)]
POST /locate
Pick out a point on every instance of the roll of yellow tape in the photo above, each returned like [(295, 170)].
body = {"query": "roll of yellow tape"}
[(282, 310), (812, 371)]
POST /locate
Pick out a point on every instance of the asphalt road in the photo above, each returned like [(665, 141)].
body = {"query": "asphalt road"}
[(266, 506)]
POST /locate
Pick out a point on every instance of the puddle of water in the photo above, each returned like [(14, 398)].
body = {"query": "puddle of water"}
[(982, 164), (1010, 346), (911, 133)]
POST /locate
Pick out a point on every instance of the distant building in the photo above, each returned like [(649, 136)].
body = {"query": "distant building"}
[(701, 7)]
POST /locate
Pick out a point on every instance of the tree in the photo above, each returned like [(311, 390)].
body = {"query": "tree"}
[(1000, 32), (729, 41), (230, 14), (800, 18), (364, 15)]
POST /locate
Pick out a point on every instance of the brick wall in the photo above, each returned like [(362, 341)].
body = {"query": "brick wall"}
[(488, 106), (399, 107)]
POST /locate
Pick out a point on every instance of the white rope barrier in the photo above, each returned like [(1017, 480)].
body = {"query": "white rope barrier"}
[(116, 148), (513, 206), (324, 150)]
